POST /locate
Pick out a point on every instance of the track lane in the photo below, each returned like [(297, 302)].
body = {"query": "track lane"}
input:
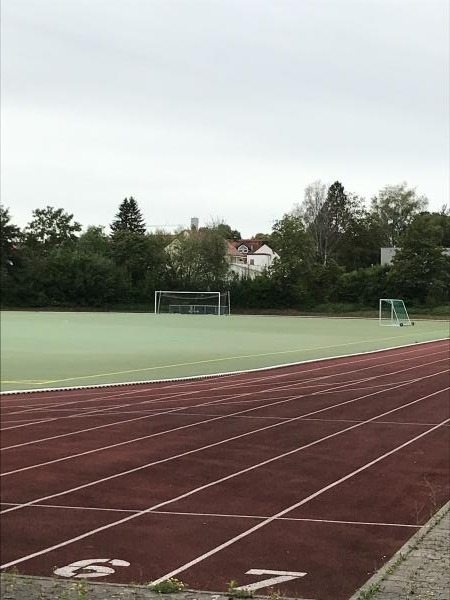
[(388, 428)]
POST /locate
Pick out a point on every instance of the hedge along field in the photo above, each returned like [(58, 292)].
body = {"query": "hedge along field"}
[(63, 349)]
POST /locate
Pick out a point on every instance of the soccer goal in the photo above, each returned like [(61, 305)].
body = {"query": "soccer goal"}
[(393, 312), (192, 303)]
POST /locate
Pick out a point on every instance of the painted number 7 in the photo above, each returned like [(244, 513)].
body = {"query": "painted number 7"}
[(282, 576)]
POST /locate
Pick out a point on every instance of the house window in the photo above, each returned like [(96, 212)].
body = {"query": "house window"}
[(243, 248), (252, 261)]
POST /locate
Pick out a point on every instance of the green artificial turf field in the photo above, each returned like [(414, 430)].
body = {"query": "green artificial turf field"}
[(62, 349)]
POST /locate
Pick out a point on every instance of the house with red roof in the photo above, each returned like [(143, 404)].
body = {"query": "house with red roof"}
[(249, 258)]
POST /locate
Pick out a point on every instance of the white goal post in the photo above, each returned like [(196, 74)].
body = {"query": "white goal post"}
[(192, 303), (392, 311)]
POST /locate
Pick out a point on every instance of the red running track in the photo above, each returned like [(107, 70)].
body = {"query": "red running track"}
[(322, 470)]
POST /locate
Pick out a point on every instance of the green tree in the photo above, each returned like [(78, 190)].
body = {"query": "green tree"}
[(143, 259), (197, 260), (51, 227), (394, 208), (94, 241), (327, 214), (222, 229), (292, 270), (9, 237), (360, 243), (420, 270), (129, 218)]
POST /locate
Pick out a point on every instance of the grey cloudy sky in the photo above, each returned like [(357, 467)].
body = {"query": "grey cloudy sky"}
[(220, 108)]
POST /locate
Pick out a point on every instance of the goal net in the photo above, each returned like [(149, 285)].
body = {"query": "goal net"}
[(393, 312), (192, 303)]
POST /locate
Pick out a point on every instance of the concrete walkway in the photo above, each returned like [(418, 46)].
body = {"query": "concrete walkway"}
[(420, 570)]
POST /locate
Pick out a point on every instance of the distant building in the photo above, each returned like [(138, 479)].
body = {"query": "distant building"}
[(249, 258), (246, 258), (387, 254)]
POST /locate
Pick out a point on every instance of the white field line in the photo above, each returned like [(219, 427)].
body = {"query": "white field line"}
[(196, 390), (216, 418), (213, 402), (285, 511), (228, 373), (215, 515), (212, 445), (128, 518)]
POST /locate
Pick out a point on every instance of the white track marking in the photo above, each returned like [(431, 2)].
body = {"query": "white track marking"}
[(236, 384), (64, 407), (210, 403), (177, 395), (216, 515), (227, 478), (282, 577), (285, 511), (216, 418), (78, 568), (149, 411)]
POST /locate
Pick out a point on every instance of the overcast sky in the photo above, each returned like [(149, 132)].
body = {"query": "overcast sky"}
[(220, 108)]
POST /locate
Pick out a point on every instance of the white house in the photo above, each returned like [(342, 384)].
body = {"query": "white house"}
[(249, 258)]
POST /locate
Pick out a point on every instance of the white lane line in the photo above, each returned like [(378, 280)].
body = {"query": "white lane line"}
[(149, 411), (213, 402), (227, 478), (216, 401), (264, 378), (285, 511), (210, 420), (215, 515), (51, 408)]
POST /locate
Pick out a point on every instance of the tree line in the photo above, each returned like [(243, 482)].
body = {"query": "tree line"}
[(328, 245)]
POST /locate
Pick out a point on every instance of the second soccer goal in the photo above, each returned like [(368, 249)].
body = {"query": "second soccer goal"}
[(392, 311)]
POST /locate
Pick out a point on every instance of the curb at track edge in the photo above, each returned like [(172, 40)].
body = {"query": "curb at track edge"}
[(211, 375)]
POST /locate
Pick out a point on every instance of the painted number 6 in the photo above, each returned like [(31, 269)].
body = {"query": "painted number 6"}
[(90, 567)]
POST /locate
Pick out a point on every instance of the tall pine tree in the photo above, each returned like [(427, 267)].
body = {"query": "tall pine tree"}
[(129, 218)]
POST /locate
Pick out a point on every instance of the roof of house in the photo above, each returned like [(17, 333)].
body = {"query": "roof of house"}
[(231, 249), (252, 245)]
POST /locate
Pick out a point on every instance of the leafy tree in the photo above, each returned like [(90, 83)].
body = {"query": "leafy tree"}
[(430, 229), (364, 286), (292, 270), (9, 236), (129, 218), (263, 236), (222, 229), (420, 270), (360, 243), (394, 208), (197, 260), (327, 213), (51, 227), (141, 256), (95, 241)]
